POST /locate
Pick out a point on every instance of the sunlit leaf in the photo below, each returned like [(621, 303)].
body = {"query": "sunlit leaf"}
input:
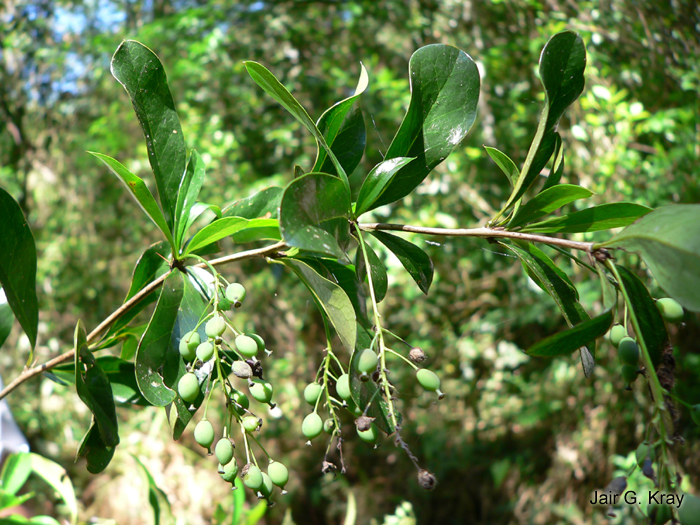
[(377, 181), (57, 477), (260, 205), (503, 161), (596, 218), (187, 194), (548, 201), (215, 231), (158, 500)]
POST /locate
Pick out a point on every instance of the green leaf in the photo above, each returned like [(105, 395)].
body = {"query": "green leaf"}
[(260, 205), (548, 201), (365, 391), (7, 318), (307, 202), (331, 299), (157, 366), (504, 162), (238, 501), (668, 241), (215, 231), (18, 265), (608, 291), (574, 338), (596, 218), (377, 181), (156, 497), (258, 230), (650, 321), (343, 127), (187, 195), (140, 192), (15, 472), (562, 63), (558, 167), (377, 269), (415, 260), (57, 477), (139, 70), (276, 90), (444, 96), (94, 450)]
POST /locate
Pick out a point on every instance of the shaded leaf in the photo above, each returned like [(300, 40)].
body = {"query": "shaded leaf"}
[(574, 338), (256, 206), (18, 265), (504, 162), (377, 181), (377, 269), (558, 168), (444, 95), (596, 218), (307, 202), (187, 194), (139, 70), (668, 241), (6, 318), (548, 201), (414, 260)]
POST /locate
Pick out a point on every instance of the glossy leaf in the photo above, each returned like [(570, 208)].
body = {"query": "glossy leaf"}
[(258, 230), (562, 64), (343, 127), (365, 391), (187, 194), (650, 321), (377, 181), (18, 265), (668, 241), (15, 472), (6, 318), (263, 204), (558, 167), (331, 299), (377, 271), (94, 450), (504, 162), (157, 365), (444, 95), (596, 218), (414, 260), (548, 201), (566, 342), (215, 231), (57, 477), (197, 209), (140, 192), (276, 90), (307, 202), (139, 70)]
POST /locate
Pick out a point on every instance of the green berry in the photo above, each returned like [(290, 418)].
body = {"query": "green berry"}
[(670, 310), (266, 487), (367, 361), (261, 391), (240, 399), (616, 334), (215, 327), (253, 477), (229, 471), (188, 387), (278, 474), (224, 451), (188, 345), (629, 374), (312, 392), (250, 423), (205, 351), (371, 435), (246, 345), (343, 387), (628, 351), (259, 340), (689, 511), (430, 381), (643, 452), (204, 433), (235, 293), (329, 426), (312, 426), (695, 413)]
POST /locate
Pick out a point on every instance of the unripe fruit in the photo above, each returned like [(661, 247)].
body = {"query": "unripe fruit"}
[(629, 373), (278, 473), (628, 351), (236, 294), (343, 387), (204, 434), (430, 381), (663, 513), (616, 334), (224, 451), (312, 426), (250, 423), (689, 511), (188, 387), (670, 310), (261, 391), (370, 435), (215, 327), (266, 487), (312, 392), (229, 471), (367, 362), (695, 413), (241, 402), (259, 340), (246, 346), (225, 304), (329, 426), (252, 477), (644, 451), (205, 351), (188, 345)]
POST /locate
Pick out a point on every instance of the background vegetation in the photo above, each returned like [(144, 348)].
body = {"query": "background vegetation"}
[(517, 439)]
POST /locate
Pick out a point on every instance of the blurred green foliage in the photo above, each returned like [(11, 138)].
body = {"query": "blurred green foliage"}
[(518, 439)]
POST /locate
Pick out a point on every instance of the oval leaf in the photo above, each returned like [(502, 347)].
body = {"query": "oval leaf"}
[(415, 260), (504, 162), (377, 181), (566, 342), (6, 318), (215, 231), (548, 201), (263, 204), (596, 218)]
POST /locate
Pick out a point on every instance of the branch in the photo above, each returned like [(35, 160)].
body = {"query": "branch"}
[(128, 305), (484, 233)]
